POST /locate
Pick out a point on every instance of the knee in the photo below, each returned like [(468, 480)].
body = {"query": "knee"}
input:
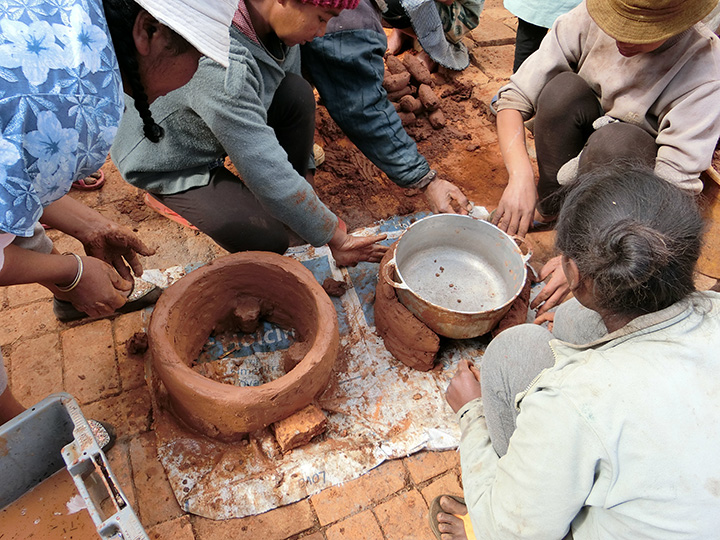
[(512, 346), (619, 141), (295, 89), (563, 92)]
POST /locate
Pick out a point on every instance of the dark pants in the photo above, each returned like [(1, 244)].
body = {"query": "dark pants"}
[(225, 209), (527, 41), (566, 110), (396, 16)]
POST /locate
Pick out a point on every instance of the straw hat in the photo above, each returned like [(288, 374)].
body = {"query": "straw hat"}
[(203, 23), (647, 21)]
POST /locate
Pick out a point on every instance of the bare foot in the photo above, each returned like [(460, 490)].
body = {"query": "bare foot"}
[(451, 526), (397, 42), (429, 62)]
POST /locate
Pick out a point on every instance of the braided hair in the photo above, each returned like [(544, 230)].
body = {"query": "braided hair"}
[(634, 235), (121, 16)]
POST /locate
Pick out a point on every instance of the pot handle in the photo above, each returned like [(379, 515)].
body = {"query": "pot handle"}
[(386, 273), (525, 249)]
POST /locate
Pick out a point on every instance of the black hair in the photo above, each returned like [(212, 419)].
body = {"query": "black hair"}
[(120, 16), (635, 236)]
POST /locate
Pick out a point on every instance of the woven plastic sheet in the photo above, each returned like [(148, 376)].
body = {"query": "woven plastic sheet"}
[(377, 408)]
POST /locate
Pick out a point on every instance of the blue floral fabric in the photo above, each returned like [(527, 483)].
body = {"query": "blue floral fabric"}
[(60, 102)]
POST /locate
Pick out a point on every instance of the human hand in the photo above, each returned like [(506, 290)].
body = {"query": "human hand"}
[(464, 386), (348, 250), (446, 198), (516, 209), (549, 317), (100, 291), (116, 246), (555, 290)]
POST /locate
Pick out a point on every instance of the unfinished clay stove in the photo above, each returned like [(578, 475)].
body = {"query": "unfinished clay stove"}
[(189, 310)]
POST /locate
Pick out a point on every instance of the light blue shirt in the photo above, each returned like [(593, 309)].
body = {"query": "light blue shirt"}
[(60, 102), (539, 12)]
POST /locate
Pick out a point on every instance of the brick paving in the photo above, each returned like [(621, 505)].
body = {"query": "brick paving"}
[(90, 360)]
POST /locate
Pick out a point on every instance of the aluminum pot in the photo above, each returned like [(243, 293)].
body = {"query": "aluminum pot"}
[(457, 274)]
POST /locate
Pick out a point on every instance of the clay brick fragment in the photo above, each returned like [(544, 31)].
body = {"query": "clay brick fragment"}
[(407, 118), (395, 65), (428, 97), (393, 83), (395, 96), (297, 430), (418, 71), (247, 314), (410, 104), (437, 119)]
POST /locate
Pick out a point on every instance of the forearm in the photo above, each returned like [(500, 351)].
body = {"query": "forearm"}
[(351, 88), (73, 218), (25, 266), (511, 138)]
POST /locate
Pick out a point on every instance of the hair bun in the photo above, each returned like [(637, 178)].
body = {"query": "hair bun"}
[(631, 253)]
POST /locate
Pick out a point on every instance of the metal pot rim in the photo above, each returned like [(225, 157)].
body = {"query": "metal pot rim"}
[(510, 240)]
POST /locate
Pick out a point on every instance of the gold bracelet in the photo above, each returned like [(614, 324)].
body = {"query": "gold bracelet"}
[(78, 276)]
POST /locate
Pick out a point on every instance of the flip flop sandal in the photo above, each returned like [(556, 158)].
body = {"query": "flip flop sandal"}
[(104, 434), (435, 509), (164, 211), (84, 185), (139, 298)]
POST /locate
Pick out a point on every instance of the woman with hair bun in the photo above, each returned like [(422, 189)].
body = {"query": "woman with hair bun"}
[(605, 428)]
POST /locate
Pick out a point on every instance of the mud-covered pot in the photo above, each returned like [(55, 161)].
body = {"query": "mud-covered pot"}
[(457, 274)]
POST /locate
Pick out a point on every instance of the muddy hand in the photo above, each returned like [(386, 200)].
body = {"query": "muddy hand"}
[(446, 198), (117, 246), (547, 317), (464, 386), (348, 250), (555, 290), (515, 210), (100, 291)]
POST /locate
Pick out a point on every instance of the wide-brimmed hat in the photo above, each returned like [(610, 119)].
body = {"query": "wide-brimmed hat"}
[(203, 23), (647, 21)]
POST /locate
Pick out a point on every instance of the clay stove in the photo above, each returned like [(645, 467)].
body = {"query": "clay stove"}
[(189, 311)]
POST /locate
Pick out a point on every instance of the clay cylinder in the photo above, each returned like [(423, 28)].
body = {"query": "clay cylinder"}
[(428, 97), (395, 65), (437, 119), (395, 96), (410, 104), (393, 83), (407, 118), (189, 310), (418, 71)]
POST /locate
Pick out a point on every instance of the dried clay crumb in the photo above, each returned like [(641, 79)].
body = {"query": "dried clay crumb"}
[(137, 344)]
